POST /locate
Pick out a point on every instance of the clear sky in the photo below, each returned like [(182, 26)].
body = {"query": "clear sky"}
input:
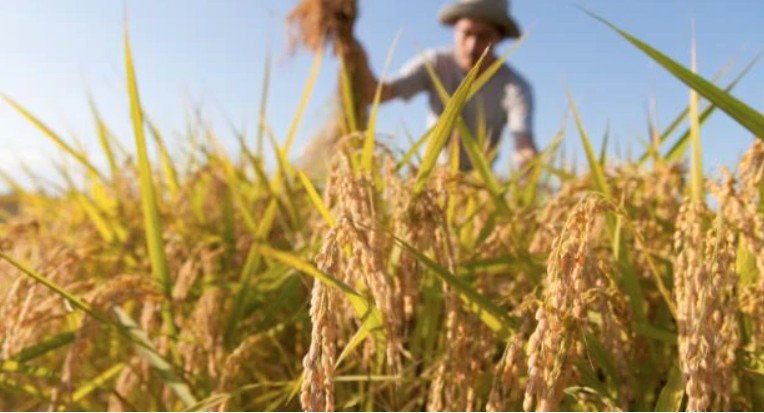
[(211, 53)]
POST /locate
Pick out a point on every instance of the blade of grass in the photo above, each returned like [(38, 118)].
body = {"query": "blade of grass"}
[(251, 265), (168, 167), (71, 298), (348, 103), (600, 184), (103, 137), (24, 388), (44, 347), (316, 199), (746, 116), (306, 93), (670, 399), (264, 100), (707, 112), (366, 311), (165, 369), (491, 315), (414, 150), (603, 149), (13, 366), (472, 147), (74, 300), (696, 181), (149, 203), (494, 67), (84, 390), (444, 127), (678, 149), (79, 156), (367, 157)]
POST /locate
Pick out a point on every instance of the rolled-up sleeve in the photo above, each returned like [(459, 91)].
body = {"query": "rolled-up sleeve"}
[(413, 77), (519, 105)]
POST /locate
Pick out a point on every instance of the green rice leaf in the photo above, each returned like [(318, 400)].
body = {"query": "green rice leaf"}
[(680, 146), (367, 155), (168, 167), (79, 156), (104, 138), (366, 311), (595, 167), (696, 179), (44, 347), (86, 389), (51, 285), (149, 203), (316, 199), (147, 350), (264, 102), (444, 127), (745, 115), (670, 399), (492, 316), (346, 89), (306, 94)]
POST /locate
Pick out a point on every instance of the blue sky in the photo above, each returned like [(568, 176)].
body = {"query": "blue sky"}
[(211, 53)]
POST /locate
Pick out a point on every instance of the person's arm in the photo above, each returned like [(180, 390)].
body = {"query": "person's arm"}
[(357, 54)]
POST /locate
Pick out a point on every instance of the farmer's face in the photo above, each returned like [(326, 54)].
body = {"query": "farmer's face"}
[(471, 38)]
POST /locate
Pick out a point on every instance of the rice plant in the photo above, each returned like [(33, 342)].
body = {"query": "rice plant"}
[(209, 283)]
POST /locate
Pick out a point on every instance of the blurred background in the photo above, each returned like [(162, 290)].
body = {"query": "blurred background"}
[(208, 57)]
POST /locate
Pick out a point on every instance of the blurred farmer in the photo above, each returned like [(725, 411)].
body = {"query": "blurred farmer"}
[(505, 100)]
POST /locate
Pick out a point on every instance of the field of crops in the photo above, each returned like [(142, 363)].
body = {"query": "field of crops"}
[(393, 283)]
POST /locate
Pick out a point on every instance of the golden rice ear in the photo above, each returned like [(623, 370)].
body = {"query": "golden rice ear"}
[(313, 23), (705, 283)]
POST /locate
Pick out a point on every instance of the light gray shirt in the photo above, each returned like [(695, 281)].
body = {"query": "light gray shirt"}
[(506, 99)]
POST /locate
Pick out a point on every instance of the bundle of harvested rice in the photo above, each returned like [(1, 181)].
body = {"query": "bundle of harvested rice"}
[(314, 24)]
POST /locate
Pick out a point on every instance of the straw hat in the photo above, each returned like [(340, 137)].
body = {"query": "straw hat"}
[(492, 11)]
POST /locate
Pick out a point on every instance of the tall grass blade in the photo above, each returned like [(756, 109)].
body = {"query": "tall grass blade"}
[(472, 147), (746, 116), (670, 399), (149, 202), (595, 167), (367, 155), (696, 181), (84, 390), (494, 67), (44, 347), (264, 101), (348, 103), (251, 266), (491, 315), (103, 138), (306, 93), (316, 199), (74, 153), (367, 312), (680, 147), (710, 109), (74, 300), (414, 150), (168, 166), (603, 149), (445, 126), (150, 354)]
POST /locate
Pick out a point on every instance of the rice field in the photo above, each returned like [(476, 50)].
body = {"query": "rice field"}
[(393, 282)]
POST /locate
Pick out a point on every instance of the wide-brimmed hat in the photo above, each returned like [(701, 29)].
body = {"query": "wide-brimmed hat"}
[(492, 11)]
